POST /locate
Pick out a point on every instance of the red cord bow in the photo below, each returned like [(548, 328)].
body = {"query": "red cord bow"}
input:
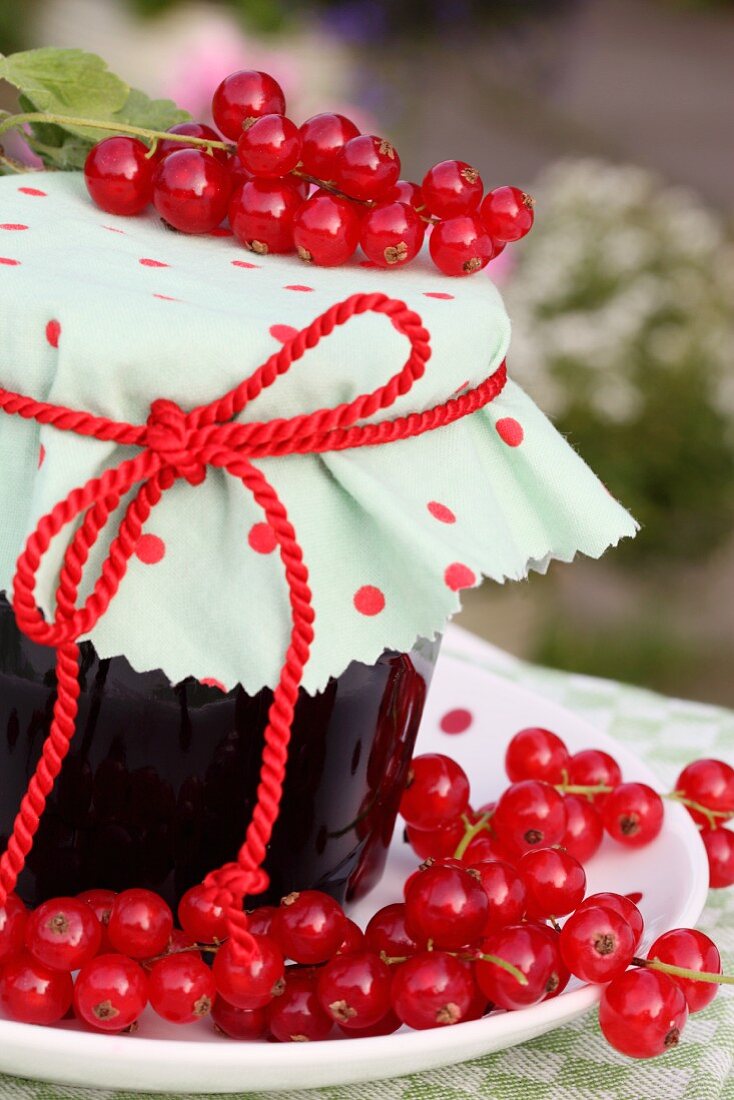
[(183, 445)]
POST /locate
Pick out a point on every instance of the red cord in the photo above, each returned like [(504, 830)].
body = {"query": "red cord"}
[(182, 445)]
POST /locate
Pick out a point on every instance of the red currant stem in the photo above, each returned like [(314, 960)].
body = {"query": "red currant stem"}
[(208, 947), (684, 972), (555, 924), (710, 815), (325, 185), (470, 831), (13, 121), (577, 788), (513, 970), (393, 960)]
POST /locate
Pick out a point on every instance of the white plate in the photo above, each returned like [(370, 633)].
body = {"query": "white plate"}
[(161, 1057)]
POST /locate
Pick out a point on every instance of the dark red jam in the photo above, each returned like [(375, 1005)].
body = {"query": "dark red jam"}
[(159, 783)]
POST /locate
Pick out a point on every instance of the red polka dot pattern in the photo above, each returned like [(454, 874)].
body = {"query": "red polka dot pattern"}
[(114, 229), (262, 538), (10, 263), (441, 512), (458, 576), (166, 298), (53, 332), (284, 333), (297, 286), (510, 431), (457, 720), (150, 549), (146, 262), (41, 456), (438, 294), (13, 225), (243, 263), (32, 191), (369, 600)]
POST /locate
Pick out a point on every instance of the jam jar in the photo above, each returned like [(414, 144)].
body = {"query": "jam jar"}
[(160, 780)]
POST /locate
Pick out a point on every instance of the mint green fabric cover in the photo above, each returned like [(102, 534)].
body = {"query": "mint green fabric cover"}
[(127, 332)]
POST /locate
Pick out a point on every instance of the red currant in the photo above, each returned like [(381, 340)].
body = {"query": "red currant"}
[(309, 927), (191, 129), (354, 990), (460, 246), (239, 1023), (555, 882), (719, 845), (326, 230), (201, 918), (388, 1025), (191, 191), (297, 1016), (260, 921), (584, 829), (561, 975), (32, 993), (530, 814), (243, 95), (536, 753), (392, 234), (506, 893), (693, 950), (711, 784), (110, 992), (486, 846), (140, 924), (507, 213), (13, 917), (433, 990), (386, 933), (436, 793), (249, 982), (181, 988), (407, 192), (366, 167), (100, 902), (620, 904), (323, 136), (119, 175), (261, 214), (642, 1013), (446, 905), (353, 939), (270, 146), (597, 944), (633, 814), (528, 948), (594, 768), (452, 187), (435, 843), (63, 934)]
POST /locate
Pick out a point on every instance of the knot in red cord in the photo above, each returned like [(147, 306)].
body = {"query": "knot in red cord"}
[(168, 433)]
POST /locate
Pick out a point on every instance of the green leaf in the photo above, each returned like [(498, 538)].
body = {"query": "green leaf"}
[(66, 81), (76, 84)]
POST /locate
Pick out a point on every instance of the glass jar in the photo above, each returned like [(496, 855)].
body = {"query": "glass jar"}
[(160, 780)]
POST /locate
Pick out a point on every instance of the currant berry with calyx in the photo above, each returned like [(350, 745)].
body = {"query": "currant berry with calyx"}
[(262, 214), (249, 980), (323, 136), (633, 814), (451, 188), (270, 146), (326, 230), (63, 934), (642, 1013), (366, 167), (110, 993), (191, 191), (529, 814), (433, 989), (244, 95), (507, 213), (536, 753), (392, 234), (309, 927), (354, 990), (460, 246), (597, 944), (181, 988)]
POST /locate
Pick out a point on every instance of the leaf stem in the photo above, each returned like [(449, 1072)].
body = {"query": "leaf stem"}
[(710, 815), (13, 121), (685, 972), (505, 965), (589, 791)]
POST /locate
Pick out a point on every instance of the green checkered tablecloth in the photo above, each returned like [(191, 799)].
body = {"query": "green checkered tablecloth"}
[(573, 1062)]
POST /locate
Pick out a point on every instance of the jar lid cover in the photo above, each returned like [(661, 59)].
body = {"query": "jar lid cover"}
[(109, 314)]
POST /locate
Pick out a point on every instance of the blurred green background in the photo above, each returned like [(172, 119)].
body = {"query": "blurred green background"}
[(616, 115)]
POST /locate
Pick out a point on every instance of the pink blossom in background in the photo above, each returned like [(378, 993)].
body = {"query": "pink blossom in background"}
[(220, 49), (501, 269)]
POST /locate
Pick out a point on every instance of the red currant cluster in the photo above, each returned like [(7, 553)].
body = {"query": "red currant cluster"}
[(476, 930), (321, 189)]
